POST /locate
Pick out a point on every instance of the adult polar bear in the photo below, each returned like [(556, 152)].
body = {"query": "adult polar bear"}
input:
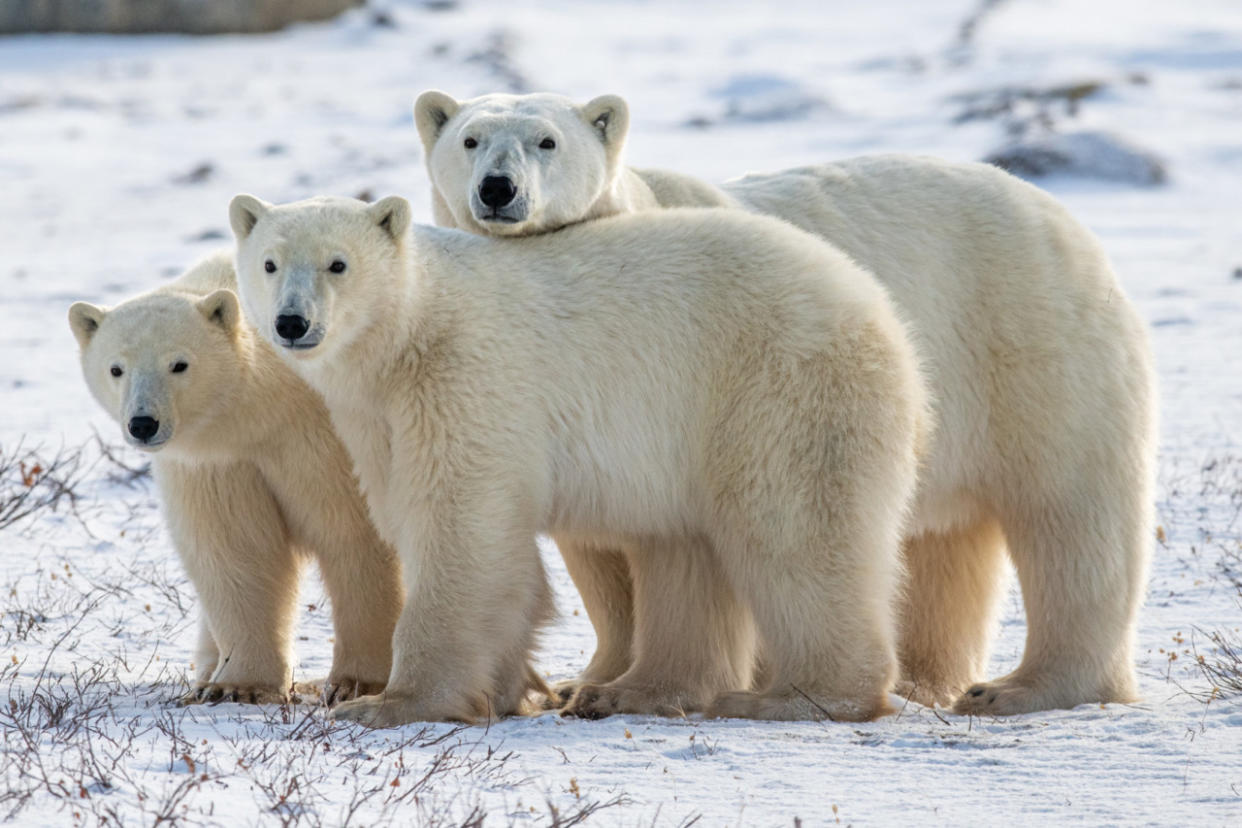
[(705, 379), (252, 479), (1044, 393)]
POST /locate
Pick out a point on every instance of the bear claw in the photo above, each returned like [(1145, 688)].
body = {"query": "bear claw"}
[(598, 701), (214, 694), (1011, 696)]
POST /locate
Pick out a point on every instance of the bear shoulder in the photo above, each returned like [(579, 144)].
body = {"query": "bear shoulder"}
[(672, 189), (211, 273)]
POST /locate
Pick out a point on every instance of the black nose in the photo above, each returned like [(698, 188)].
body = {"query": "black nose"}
[(496, 191), (291, 327), (143, 428)]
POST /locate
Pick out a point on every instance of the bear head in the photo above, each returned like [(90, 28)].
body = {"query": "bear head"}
[(515, 165), (314, 275), (163, 365)]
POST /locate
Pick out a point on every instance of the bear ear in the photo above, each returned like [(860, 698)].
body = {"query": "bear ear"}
[(221, 308), (244, 213), (84, 320), (392, 215), (609, 116), (432, 111)]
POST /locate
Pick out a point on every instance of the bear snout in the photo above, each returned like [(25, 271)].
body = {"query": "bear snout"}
[(143, 428), (291, 327), (497, 191)]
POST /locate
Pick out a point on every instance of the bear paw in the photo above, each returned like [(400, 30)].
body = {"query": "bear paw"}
[(388, 709), (332, 691), (927, 695), (1012, 695), (337, 690), (562, 692), (371, 711), (597, 701), (216, 693)]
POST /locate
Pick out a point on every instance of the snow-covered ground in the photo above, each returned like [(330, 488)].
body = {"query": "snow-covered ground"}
[(117, 160)]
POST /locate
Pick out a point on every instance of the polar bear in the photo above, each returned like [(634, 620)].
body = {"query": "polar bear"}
[(1045, 395), (515, 165), (698, 386), (253, 481)]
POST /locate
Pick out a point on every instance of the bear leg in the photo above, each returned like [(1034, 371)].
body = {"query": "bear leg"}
[(825, 622), (954, 581), (602, 577), (231, 538), (476, 598), (363, 581), (693, 638), (1082, 564)]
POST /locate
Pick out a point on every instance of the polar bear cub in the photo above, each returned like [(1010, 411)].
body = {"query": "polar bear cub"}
[(1045, 404), (252, 479), (696, 385)]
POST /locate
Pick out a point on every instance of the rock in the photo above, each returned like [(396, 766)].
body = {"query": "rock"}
[(197, 175), (1086, 154), (150, 16), (1026, 103), (210, 234)]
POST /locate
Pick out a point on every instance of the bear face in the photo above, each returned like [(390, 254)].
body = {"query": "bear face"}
[(295, 266), (515, 165), (161, 365)]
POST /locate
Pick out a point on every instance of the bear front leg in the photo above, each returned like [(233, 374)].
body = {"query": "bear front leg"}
[(476, 597), (230, 536), (363, 580)]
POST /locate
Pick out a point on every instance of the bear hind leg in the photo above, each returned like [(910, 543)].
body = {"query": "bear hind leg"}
[(602, 577), (954, 580), (1082, 567), (693, 639), (825, 623)]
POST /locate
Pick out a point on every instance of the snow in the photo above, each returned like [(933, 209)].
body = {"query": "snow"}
[(117, 159)]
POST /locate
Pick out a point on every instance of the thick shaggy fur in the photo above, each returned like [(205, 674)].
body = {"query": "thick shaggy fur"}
[(1044, 396), (253, 482), (728, 397)]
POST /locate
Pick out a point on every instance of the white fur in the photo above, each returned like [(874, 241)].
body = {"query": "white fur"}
[(710, 390), (252, 481), (1045, 405)]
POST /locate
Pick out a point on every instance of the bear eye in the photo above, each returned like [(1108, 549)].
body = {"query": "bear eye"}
[(337, 266), (471, 143), (547, 143), (116, 371), (179, 366), (269, 266)]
